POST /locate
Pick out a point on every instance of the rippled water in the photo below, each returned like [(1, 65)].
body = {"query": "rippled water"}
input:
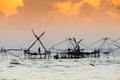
[(75, 69)]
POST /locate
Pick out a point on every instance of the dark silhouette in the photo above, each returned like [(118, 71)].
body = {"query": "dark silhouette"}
[(39, 50), (56, 57), (92, 64), (30, 54), (73, 51)]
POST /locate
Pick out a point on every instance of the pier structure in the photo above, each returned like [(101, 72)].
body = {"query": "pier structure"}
[(72, 51), (75, 52), (9, 53), (103, 48), (37, 55)]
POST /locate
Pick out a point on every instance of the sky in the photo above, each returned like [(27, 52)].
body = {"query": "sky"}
[(89, 20)]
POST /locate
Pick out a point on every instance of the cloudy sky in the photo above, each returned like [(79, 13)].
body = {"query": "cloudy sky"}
[(87, 19)]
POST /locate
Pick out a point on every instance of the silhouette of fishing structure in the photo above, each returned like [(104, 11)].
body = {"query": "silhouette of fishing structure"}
[(73, 50), (77, 52), (5, 53), (34, 55)]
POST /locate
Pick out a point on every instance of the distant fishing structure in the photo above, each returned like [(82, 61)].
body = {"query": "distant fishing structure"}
[(73, 50), (104, 47)]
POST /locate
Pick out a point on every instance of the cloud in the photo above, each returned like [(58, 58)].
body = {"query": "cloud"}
[(8, 7), (115, 2), (113, 14), (61, 11), (36, 7), (78, 17), (94, 3), (2, 16), (71, 8), (67, 8)]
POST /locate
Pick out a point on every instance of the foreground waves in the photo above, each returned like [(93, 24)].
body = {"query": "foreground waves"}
[(76, 69)]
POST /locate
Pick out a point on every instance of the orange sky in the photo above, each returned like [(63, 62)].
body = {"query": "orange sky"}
[(89, 19), (8, 7)]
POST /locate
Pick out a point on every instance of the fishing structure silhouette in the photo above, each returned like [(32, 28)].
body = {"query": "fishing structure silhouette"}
[(74, 52)]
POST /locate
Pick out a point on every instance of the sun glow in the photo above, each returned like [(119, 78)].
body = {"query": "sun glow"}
[(8, 7)]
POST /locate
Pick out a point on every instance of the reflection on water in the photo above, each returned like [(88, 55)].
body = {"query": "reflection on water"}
[(76, 69)]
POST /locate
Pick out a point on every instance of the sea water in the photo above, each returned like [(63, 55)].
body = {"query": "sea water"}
[(61, 69)]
